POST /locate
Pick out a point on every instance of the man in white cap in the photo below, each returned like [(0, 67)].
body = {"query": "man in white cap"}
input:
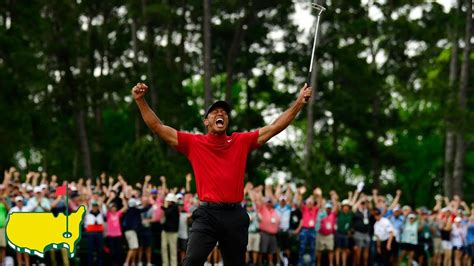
[(169, 236), (218, 161), (283, 238), (344, 226), (131, 222), (20, 207), (38, 203)]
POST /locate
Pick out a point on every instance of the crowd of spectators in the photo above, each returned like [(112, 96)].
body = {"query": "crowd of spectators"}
[(148, 224)]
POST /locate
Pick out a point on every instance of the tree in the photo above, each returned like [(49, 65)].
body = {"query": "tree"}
[(207, 52), (450, 137), (459, 159)]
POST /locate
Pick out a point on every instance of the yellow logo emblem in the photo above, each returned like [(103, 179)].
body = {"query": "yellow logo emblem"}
[(37, 232)]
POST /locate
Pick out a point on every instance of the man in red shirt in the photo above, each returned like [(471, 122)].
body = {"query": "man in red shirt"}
[(269, 224), (218, 161)]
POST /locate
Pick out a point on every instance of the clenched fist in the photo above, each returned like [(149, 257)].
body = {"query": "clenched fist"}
[(305, 93), (139, 90)]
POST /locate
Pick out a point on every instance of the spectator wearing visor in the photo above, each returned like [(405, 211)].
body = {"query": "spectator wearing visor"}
[(284, 211), (169, 236), (325, 239), (409, 239), (344, 225)]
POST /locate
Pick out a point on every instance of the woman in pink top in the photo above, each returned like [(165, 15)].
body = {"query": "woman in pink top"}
[(114, 232)]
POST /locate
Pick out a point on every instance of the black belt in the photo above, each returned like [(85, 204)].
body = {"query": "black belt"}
[(221, 205)]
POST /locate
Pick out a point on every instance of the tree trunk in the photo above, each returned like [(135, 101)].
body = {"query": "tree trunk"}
[(133, 36), (235, 48), (150, 52), (448, 163), (450, 137), (376, 168), (207, 53), (231, 57), (83, 143), (459, 160)]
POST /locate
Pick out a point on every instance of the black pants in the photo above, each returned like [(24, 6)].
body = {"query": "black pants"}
[(383, 258), (115, 246), (229, 226)]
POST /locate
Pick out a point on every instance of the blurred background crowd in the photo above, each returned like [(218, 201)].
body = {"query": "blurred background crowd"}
[(148, 223)]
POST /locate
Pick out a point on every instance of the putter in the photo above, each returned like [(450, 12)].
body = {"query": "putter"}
[(320, 10)]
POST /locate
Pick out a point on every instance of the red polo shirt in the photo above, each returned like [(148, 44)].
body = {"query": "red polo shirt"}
[(218, 163)]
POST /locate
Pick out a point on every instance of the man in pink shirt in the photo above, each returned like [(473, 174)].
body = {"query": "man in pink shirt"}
[(325, 240), (269, 224), (306, 230)]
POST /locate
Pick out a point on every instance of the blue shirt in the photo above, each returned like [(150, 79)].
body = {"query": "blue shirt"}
[(470, 234), (397, 223), (321, 214), (285, 214)]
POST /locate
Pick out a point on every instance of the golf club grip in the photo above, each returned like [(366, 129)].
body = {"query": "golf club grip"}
[(308, 82)]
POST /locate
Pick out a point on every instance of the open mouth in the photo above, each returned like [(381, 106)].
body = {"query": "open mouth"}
[(220, 122)]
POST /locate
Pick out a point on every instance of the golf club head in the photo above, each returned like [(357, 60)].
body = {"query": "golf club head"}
[(318, 7), (320, 10)]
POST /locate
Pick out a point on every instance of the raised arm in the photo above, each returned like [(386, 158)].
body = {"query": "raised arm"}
[(189, 178), (396, 200), (166, 133), (335, 201), (267, 132)]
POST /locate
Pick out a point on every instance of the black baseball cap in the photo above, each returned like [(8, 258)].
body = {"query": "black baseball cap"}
[(223, 104)]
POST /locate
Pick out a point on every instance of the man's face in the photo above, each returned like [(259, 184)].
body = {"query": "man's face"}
[(346, 209), (217, 121)]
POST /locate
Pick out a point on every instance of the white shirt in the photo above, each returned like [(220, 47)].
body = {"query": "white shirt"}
[(17, 209), (382, 229), (410, 233), (457, 236), (285, 215), (183, 225), (43, 206), (92, 219)]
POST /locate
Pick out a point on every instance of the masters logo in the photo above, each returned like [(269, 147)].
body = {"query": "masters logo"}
[(37, 232)]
